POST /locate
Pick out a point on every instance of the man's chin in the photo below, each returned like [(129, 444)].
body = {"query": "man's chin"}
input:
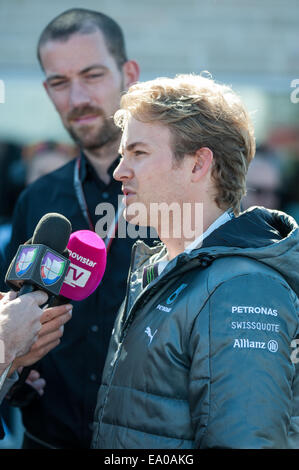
[(85, 141), (134, 219), (90, 139)]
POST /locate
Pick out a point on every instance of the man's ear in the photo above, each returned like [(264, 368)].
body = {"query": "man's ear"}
[(131, 73), (203, 159)]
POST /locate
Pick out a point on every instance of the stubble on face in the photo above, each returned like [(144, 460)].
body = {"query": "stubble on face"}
[(97, 135), (88, 136)]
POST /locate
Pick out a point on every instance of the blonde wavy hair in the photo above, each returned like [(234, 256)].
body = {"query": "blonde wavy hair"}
[(199, 113)]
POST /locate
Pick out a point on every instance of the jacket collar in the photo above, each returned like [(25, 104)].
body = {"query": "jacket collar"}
[(271, 237)]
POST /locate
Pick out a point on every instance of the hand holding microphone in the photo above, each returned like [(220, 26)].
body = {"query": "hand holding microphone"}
[(52, 321), (86, 267), (42, 265)]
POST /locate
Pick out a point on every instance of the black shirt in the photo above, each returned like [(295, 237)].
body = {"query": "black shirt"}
[(63, 416)]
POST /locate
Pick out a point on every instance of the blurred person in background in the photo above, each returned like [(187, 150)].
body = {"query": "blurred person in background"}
[(12, 182), (83, 56), (44, 157), (291, 182), (19, 167), (264, 182), (284, 141)]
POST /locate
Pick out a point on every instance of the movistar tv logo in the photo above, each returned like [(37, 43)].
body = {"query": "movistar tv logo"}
[(77, 276), (81, 258)]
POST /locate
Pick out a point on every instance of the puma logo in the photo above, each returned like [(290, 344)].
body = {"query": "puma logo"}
[(149, 334)]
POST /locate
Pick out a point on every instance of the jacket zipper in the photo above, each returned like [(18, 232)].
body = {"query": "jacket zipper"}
[(117, 353), (124, 316)]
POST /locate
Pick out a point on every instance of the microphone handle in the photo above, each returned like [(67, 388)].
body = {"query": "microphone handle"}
[(26, 289), (57, 300), (23, 375)]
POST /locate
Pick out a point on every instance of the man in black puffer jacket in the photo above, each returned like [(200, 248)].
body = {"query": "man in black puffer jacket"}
[(203, 353)]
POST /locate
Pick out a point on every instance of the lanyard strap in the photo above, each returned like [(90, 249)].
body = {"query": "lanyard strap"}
[(84, 208), (80, 194)]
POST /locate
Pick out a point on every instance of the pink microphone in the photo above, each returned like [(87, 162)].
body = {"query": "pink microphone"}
[(87, 254)]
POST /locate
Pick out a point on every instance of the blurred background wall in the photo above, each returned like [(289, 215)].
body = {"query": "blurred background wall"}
[(251, 44)]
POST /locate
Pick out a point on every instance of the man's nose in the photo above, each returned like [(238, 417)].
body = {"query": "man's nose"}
[(78, 95), (122, 172)]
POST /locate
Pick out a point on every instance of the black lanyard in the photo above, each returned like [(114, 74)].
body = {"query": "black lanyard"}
[(80, 194), (84, 208)]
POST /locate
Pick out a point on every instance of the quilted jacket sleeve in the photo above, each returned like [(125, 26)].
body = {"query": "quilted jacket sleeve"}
[(247, 398)]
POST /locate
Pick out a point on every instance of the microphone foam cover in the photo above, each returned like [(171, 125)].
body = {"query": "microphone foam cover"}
[(87, 254), (53, 230)]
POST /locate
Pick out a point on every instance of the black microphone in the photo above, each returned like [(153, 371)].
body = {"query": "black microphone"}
[(42, 264)]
